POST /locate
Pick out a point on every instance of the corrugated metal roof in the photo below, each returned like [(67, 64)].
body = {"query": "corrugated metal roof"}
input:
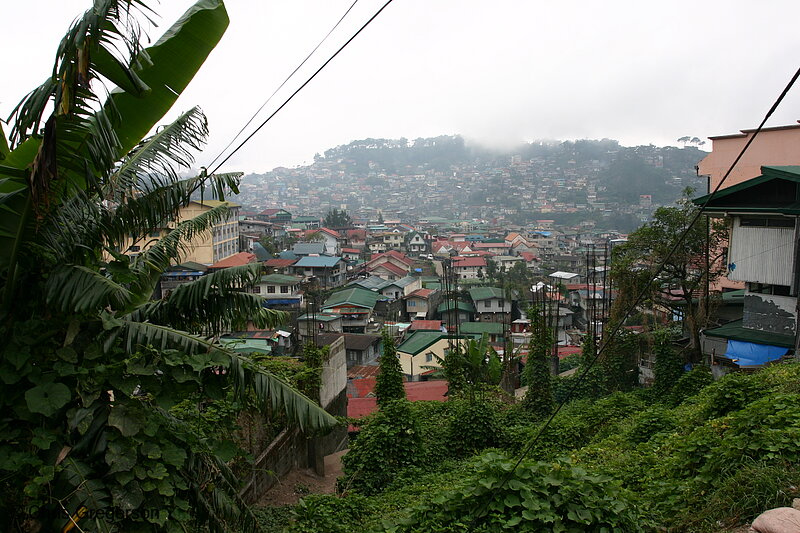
[(734, 330), (355, 296), (322, 261), (485, 293)]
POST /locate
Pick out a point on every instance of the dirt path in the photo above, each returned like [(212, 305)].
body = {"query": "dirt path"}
[(300, 482)]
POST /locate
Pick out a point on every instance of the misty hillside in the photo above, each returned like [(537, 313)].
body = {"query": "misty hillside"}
[(410, 178)]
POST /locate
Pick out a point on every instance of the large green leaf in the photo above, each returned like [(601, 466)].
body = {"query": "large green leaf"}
[(270, 391), (173, 61), (47, 399)]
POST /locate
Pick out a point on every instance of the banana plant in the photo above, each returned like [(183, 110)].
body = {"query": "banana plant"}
[(93, 364)]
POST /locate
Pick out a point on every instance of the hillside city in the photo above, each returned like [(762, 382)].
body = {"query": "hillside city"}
[(403, 336)]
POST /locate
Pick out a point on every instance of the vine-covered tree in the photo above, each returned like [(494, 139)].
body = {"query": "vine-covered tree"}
[(389, 383), (539, 396)]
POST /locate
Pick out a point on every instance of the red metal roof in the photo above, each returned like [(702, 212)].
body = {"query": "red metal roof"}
[(416, 391), (426, 325), (331, 232), (469, 262), (391, 267), (421, 293), (280, 263), (242, 258), (393, 253)]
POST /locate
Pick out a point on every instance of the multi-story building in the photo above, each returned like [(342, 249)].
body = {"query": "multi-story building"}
[(206, 248)]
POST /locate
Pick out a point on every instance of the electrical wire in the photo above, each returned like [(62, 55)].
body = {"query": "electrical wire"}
[(268, 100), (638, 299), (367, 23)]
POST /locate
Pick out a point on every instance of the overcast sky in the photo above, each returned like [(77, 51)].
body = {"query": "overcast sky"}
[(495, 71)]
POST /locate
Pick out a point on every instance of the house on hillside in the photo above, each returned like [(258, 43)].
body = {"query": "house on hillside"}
[(355, 305), (279, 266), (415, 243), (278, 216), (311, 323), (491, 304), (180, 274), (452, 314), (762, 253), (396, 289), (424, 349), (390, 265), (328, 270), (279, 291), (469, 267), (421, 303), (361, 349), (493, 330), (332, 239)]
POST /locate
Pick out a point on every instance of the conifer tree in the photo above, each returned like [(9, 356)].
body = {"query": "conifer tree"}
[(389, 385)]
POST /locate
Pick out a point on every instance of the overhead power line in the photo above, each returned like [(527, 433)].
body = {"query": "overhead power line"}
[(640, 296), (268, 100), (367, 23)]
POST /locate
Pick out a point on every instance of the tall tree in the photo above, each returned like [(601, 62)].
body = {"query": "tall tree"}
[(389, 384), (92, 365), (688, 269), (337, 219)]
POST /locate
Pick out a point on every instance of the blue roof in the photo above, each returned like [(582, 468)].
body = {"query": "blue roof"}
[(261, 253), (287, 254), (322, 261)]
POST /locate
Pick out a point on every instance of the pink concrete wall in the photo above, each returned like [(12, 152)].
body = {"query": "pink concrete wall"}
[(773, 146)]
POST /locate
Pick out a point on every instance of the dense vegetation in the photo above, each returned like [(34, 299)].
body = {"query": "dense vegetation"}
[(695, 456)]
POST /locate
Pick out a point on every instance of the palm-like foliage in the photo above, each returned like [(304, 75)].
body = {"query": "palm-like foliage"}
[(79, 314)]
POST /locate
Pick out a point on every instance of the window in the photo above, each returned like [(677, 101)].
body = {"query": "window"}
[(155, 234), (766, 222), (257, 289), (764, 288), (271, 289), (487, 304), (284, 289), (429, 357), (134, 248), (412, 303)]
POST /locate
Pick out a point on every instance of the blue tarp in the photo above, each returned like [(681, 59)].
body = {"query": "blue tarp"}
[(751, 354)]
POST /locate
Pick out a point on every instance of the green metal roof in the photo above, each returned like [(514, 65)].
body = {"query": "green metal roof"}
[(421, 340), (320, 317), (355, 296), (247, 346), (479, 328), (460, 306), (279, 279), (735, 331), (484, 293), (758, 195)]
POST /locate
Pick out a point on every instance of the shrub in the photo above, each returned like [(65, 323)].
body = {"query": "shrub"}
[(329, 513), (690, 384), (535, 496), (473, 427), (386, 444)]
